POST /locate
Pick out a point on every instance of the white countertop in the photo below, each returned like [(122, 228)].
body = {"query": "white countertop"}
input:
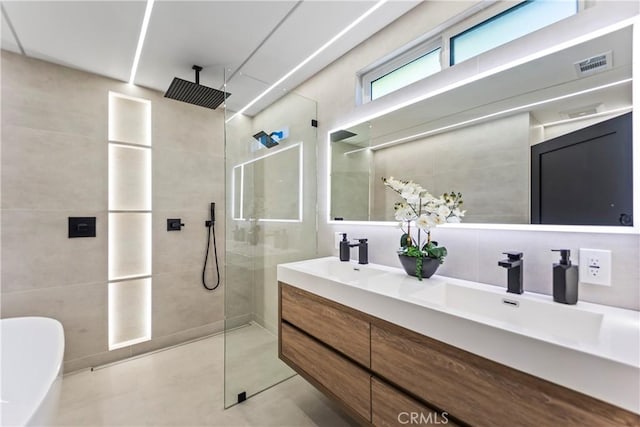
[(590, 348)]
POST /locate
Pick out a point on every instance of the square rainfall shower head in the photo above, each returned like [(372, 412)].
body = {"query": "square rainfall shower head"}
[(194, 93)]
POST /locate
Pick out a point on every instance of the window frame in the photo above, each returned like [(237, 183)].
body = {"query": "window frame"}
[(495, 17), (438, 37), (396, 62), (495, 11)]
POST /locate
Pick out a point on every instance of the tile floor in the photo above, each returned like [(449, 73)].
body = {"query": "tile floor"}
[(183, 386), (251, 362)]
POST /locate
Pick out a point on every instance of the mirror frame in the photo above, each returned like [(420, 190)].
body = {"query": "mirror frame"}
[(634, 22)]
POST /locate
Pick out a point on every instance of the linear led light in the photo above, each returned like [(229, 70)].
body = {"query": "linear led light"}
[(310, 57), (143, 34), (588, 116), (488, 116)]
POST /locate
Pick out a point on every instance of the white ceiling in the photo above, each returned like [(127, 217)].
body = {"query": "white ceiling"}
[(101, 37)]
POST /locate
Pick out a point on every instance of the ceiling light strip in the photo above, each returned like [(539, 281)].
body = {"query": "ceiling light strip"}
[(310, 57), (489, 116), (143, 34)]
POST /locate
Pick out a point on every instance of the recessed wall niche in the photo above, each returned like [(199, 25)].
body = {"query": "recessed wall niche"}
[(129, 220)]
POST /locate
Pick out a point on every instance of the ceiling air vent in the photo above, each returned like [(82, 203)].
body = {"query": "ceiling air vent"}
[(594, 64)]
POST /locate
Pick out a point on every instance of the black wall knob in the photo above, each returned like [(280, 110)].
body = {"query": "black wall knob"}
[(174, 224)]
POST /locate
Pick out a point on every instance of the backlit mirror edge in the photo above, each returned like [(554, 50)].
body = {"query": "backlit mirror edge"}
[(634, 22)]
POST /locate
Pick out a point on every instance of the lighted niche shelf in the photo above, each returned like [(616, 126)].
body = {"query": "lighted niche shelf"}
[(129, 237)]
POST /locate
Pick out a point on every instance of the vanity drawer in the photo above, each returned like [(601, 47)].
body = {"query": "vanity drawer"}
[(338, 326), (479, 391), (391, 408), (347, 382)]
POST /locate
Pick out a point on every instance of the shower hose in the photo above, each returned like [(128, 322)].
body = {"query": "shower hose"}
[(211, 232)]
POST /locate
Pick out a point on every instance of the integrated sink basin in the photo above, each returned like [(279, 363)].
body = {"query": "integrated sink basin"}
[(343, 272), (564, 344), (530, 313)]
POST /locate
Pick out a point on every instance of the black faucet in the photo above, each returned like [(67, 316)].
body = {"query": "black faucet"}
[(363, 250), (513, 264)]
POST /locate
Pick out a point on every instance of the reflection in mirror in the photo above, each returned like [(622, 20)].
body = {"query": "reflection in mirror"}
[(279, 195), (479, 139)]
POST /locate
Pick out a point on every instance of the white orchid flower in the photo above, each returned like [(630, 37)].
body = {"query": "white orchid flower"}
[(394, 184), (443, 210), (425, 222), (411, 191), (404, 212), (458, 213)]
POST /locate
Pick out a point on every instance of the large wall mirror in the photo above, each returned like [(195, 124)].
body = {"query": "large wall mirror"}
[(545, 142)]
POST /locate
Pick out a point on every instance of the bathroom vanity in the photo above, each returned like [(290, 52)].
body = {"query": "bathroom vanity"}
[(393, 351)]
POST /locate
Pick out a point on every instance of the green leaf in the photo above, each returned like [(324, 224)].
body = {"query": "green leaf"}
[(414, 252), (404, 240)]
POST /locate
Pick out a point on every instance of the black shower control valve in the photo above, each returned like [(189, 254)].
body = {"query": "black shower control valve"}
[(174, 224)]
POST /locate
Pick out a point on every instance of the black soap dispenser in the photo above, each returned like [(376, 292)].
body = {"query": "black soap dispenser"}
[(345, 250), (565, 279)]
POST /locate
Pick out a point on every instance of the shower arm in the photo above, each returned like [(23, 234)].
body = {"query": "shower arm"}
[(197, 68)]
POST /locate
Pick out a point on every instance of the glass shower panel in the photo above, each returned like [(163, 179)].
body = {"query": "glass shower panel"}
[(271, 219)]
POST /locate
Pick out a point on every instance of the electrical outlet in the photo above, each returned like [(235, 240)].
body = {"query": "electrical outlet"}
[(595, 266)]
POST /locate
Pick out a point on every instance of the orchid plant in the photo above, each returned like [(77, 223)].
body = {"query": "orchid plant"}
[(425, 212)]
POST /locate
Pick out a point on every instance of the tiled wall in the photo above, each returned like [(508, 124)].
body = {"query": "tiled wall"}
[(54, 165), (473, 254)]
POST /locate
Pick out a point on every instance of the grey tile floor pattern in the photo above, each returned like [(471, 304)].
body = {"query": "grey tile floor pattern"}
[(183, 386)]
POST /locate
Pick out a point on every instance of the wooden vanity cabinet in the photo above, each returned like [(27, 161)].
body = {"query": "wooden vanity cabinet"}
[(480, 391), (346, 381), (384, 374), (341, 328), (391, 407)]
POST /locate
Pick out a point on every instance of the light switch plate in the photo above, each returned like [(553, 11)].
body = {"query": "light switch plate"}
[(595, 267)]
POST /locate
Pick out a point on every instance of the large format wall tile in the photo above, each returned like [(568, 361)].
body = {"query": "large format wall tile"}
[(37, 253), (181, 126), (180, 302), (184, 250), (186, 180), (82, 310), (39, 95), (51, 170)]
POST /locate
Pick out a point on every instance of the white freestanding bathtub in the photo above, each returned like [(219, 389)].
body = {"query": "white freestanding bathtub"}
[(30, 369)]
